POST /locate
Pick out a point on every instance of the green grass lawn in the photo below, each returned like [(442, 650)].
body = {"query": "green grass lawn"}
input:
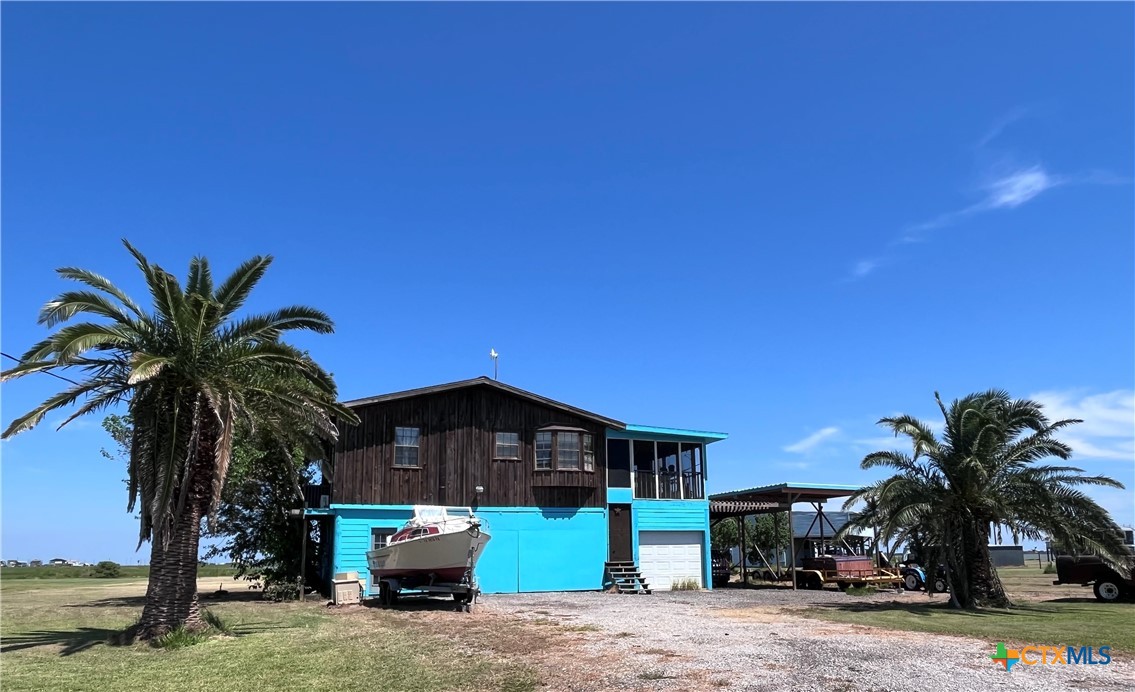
[(1043, 614), (125, 572), (54, 635)]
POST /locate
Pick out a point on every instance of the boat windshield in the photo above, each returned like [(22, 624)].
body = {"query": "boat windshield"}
[(429, 515), (459, 512)]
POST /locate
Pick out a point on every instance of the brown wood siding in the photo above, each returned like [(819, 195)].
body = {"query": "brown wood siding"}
[(455, 454)]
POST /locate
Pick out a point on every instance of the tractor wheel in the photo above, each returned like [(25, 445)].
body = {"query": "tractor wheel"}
[(911, 582), (843, 586), (940, 585)]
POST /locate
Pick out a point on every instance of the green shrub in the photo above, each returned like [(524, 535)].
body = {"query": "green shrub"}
[(107, 570), (1050, 568), (282, 591), (684, 585)]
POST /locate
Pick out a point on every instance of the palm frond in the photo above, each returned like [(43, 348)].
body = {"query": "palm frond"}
[(234, 291), (103, 284)]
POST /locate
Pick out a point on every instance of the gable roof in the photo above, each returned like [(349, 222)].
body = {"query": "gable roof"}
[(486, 382)]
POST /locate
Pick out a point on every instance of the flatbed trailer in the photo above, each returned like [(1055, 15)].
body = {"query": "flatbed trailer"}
[(844, 571), (392, 589)]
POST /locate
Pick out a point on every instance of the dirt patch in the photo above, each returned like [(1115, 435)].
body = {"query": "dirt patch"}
[(556, 651), (767, 615)]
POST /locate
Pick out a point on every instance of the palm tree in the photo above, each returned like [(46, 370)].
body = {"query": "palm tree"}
[(984, 473), (189, 373)]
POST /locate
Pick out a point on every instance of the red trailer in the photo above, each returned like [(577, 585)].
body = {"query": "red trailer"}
[(844, 571)]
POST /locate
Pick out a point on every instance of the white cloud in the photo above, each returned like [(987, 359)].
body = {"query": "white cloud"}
[(1020, 186), (863, 268), (1108, 430), (812, 441)]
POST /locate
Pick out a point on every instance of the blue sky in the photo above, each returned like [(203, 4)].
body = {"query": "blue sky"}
[(782, 221)]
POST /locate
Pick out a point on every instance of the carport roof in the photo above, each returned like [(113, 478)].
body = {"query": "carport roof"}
[(787, 492), (720, 509)]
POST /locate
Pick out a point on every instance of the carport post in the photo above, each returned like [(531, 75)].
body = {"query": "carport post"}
[(792, 539), (744, 573), (820, 515), (776, 538)]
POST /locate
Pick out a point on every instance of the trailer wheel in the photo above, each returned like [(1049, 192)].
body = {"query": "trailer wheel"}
[(814, 582), (1107, 591), (843, 586)]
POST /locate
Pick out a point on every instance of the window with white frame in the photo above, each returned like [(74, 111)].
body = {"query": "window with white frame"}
[(507, 446), (406, 446), (380, 537)]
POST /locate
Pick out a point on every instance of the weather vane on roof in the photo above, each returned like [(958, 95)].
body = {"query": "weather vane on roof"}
[(494, 355)]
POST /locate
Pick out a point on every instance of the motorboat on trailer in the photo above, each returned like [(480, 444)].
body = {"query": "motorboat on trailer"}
[(439, 545)]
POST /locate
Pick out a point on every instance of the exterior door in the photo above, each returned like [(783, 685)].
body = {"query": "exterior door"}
[(619, 526)]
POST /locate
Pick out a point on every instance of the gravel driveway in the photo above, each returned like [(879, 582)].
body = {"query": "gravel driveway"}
[(748, 640)]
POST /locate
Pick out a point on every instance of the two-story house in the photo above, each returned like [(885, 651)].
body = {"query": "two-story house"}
[(561, 490)]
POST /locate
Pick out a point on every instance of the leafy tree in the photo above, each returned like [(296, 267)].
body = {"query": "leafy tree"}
[(984, 472), (258, 534), (107, 570), (725, 534), (760, 532), (190, 372)]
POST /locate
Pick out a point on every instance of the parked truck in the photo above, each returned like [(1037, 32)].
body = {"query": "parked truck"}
[(1089, 570)]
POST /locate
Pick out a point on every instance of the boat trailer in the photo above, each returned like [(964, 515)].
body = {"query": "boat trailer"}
[(464, 592)]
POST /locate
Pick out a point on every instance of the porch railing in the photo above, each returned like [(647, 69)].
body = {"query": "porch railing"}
[(644, 485)]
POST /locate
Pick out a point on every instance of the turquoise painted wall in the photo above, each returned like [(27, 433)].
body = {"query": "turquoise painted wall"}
[(543, 549), (352, 533), (531, 549), (620, 496), (673, 515)]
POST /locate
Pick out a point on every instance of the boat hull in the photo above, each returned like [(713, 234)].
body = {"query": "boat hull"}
[(428, 559)]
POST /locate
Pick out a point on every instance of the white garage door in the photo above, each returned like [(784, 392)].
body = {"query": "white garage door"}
[(669, 556)]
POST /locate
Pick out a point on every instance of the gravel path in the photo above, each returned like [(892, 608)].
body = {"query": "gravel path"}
[(747, 640)]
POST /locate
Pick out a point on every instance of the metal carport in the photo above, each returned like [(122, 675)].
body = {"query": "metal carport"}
[(773, 499)]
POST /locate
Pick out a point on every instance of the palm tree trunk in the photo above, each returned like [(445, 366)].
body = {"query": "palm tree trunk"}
[(985, 588), (171, 595)]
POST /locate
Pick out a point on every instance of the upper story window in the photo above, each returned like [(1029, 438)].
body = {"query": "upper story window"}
[(507, 446), (406, 446), (565, 450), (567, 454), (543, 450)]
